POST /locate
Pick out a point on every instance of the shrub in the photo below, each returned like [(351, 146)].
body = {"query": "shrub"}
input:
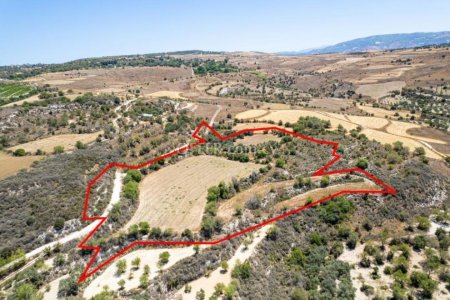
[(310, 125), (424, 282), (59, 224), (362, 163), (241, 270), (144, 281), (335, 210), (19, 152), (121, 266), (272, 233), (207, 227), (133, 175), (136, 262), (58, 149), (144, 228), (68, 287), (325, 181), (296, 258), (164, 258), (80, 145), (280, 163), (27, 291), (299, 294), (419, 242), (213, 193), (419, 151), (352, 240), (316, 239), (131, 190), (424, 223)]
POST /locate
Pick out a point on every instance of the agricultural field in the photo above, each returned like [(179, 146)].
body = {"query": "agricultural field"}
[(380, 129), (11, 92), (10, 165), (380, 90), (168, 94), (132, 109), (178, 192), (47, 145), (257, 139)]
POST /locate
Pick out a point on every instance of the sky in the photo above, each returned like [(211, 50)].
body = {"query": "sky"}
[(54, 31)]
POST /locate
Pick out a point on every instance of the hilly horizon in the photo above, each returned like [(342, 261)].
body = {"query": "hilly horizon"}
[(379, 43), (370, 43)]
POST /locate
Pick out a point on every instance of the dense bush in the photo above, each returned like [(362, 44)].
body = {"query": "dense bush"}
[(53, 189)]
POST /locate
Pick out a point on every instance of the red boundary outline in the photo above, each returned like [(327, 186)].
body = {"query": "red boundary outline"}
[(322, 171)]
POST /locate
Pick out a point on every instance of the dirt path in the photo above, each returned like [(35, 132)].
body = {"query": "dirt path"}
[(35, 254), (52, 293), (115, 197), (219, 108), (218, 275)]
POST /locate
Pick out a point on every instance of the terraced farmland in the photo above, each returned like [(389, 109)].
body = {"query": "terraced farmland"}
[(11, 92)]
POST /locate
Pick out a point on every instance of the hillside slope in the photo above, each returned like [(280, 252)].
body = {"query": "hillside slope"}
[(382, 42)]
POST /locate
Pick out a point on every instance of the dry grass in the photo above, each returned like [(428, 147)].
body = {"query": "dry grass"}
[(228, 208), (369, 122), (241, 126), (400, 128), (257, 139), (169, 94), (340, 64), (381, 112), (330, 104), (379, 90), (275, 106), (320, 193), (292, 116), (384, 137), (175, 196), (386, 75), (372, 127), (118, 80), (252, 114), (68, 141), (10, 165)]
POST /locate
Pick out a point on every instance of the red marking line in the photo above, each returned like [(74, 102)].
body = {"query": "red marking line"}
[(322, 171)]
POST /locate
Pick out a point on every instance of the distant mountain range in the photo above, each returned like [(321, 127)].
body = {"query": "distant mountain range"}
[(381, 42)]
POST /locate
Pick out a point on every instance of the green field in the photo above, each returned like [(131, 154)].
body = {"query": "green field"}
[(10, 92)]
